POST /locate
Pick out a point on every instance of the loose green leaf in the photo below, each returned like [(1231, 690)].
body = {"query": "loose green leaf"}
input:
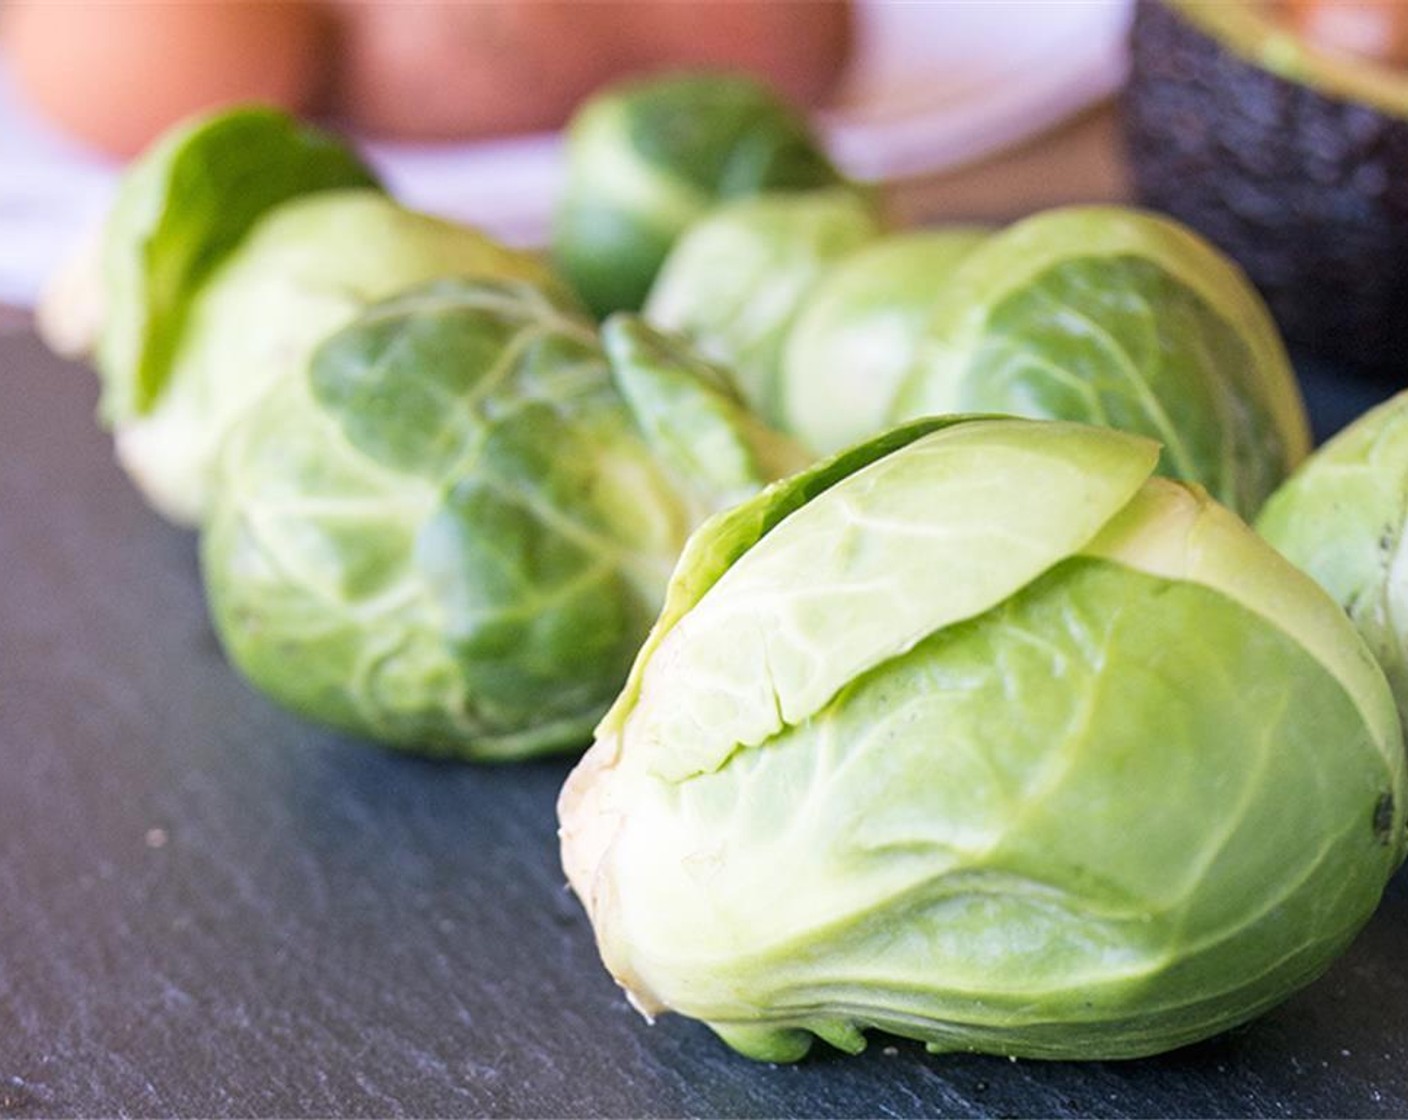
[(180, 211)]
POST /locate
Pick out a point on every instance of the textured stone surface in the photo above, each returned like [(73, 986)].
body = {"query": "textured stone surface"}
[(210, 908)]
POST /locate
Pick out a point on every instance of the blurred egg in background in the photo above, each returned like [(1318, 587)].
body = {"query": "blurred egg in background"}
[(114, 75), (445, 71)]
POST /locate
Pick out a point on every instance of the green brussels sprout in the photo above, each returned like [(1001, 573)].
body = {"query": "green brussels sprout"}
[(1341, 518), (180, 210), (1109, 316), (736, 280), (451, 530), (304, 270), (646, 158), (234, 245), (854, 338), (982, 735)]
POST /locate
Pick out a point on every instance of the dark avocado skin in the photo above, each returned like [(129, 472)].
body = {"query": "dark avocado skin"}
[(1308, 192)]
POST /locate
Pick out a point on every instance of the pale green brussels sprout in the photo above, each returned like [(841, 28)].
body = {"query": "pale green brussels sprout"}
[(735, 281), (981, 734), (451, 530), (645, 158), (1102, 315), (855, 334), (234, 248), (1343, 518)]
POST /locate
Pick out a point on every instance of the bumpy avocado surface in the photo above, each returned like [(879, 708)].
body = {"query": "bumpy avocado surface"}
[(1294, 161)]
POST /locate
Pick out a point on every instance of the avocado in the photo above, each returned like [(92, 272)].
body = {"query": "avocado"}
[(1291, 158)]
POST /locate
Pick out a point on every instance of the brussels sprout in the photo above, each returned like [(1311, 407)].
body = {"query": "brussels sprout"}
[(646, 158), (179, 212), (854, 338), (305, 269), (1342, 518), (451, 532), (1114, 317), (981, 735), (735, 281)]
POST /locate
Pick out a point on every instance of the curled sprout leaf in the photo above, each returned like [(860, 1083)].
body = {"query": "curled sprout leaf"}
[(180, 211)]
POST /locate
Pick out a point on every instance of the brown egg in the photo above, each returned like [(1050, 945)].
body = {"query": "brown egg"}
[(800, 46), (447, 70), (116, 74), (1375, 30), (443, 69)]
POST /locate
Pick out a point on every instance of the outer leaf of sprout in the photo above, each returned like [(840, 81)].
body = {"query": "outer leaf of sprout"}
[(180, 211)]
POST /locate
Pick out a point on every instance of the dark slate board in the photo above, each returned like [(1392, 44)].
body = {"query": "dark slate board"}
[(210, 908)]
